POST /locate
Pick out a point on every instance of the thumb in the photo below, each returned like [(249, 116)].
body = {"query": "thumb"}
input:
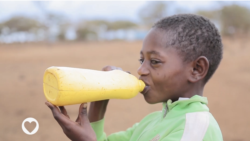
[(83, 116)]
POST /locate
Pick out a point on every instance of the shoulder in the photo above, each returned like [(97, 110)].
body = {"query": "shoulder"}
[(213, 130), (201, 126)]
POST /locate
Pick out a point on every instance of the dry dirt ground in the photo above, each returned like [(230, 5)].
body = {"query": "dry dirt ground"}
[(21, 94)]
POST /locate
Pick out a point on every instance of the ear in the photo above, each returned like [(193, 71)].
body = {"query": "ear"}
[(199, 69)]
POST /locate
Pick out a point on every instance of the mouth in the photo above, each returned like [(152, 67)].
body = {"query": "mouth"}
[(146, 89)]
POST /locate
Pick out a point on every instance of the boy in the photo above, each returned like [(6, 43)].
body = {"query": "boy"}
[(178, 57)]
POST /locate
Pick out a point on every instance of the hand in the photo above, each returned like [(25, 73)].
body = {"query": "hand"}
[(80, 130), (110, 68)]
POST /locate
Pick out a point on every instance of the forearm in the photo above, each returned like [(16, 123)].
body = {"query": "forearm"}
[(97, 110)]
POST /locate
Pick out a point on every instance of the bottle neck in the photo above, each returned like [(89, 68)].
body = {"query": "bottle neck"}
[(141, 85)]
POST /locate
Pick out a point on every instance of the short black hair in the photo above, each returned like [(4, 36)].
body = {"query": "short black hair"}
[(194, 36)]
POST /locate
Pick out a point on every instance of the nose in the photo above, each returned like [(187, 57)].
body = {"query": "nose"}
[(143, 70)]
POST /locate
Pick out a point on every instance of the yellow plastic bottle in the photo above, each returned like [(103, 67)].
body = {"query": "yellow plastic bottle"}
[(66, 86)]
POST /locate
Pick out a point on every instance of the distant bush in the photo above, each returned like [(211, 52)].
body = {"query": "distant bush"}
[(86, 34), (21, 24)]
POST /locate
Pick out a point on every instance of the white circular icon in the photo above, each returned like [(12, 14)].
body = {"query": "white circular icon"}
[(30, 119)]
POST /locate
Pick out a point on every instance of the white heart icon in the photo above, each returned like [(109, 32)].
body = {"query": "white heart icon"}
[(30, 119)]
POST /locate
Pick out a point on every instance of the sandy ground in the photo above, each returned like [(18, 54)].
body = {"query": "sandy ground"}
[(21, 95)]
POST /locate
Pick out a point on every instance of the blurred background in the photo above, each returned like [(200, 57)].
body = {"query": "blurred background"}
[(35, 35)]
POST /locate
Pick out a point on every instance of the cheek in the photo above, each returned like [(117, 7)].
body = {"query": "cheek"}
[(160, 79), (170, 80), (175, 79)]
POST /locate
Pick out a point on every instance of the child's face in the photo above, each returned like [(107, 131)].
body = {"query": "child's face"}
[(162, 69)]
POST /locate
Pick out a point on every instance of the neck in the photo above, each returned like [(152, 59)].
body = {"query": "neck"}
[(196, 89)]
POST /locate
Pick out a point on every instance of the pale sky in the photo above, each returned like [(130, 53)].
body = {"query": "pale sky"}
[(110, 10)]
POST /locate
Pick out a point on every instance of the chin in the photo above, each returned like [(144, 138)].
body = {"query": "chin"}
[(150, 100)]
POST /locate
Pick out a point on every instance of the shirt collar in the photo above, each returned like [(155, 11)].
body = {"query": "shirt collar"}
[(182, 98), (168, 105)]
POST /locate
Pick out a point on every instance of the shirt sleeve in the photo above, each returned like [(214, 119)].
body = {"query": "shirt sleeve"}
[(98, 127)]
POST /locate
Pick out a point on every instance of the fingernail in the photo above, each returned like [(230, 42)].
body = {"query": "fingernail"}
[(85, 105)]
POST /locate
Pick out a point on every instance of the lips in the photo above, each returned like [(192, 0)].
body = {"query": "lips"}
[(145, 90)]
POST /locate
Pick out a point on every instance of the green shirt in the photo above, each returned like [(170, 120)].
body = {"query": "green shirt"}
[(183, 120)]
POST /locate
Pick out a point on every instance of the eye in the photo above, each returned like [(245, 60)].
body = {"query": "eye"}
[(141, 60), (154, 62)]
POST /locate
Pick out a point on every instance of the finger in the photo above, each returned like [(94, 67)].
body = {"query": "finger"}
[(118, 68), (77, 119), (63, 111), (128, 72), (79, 113), (59, 117), (107, 68), (52, 107), (83, 117)]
